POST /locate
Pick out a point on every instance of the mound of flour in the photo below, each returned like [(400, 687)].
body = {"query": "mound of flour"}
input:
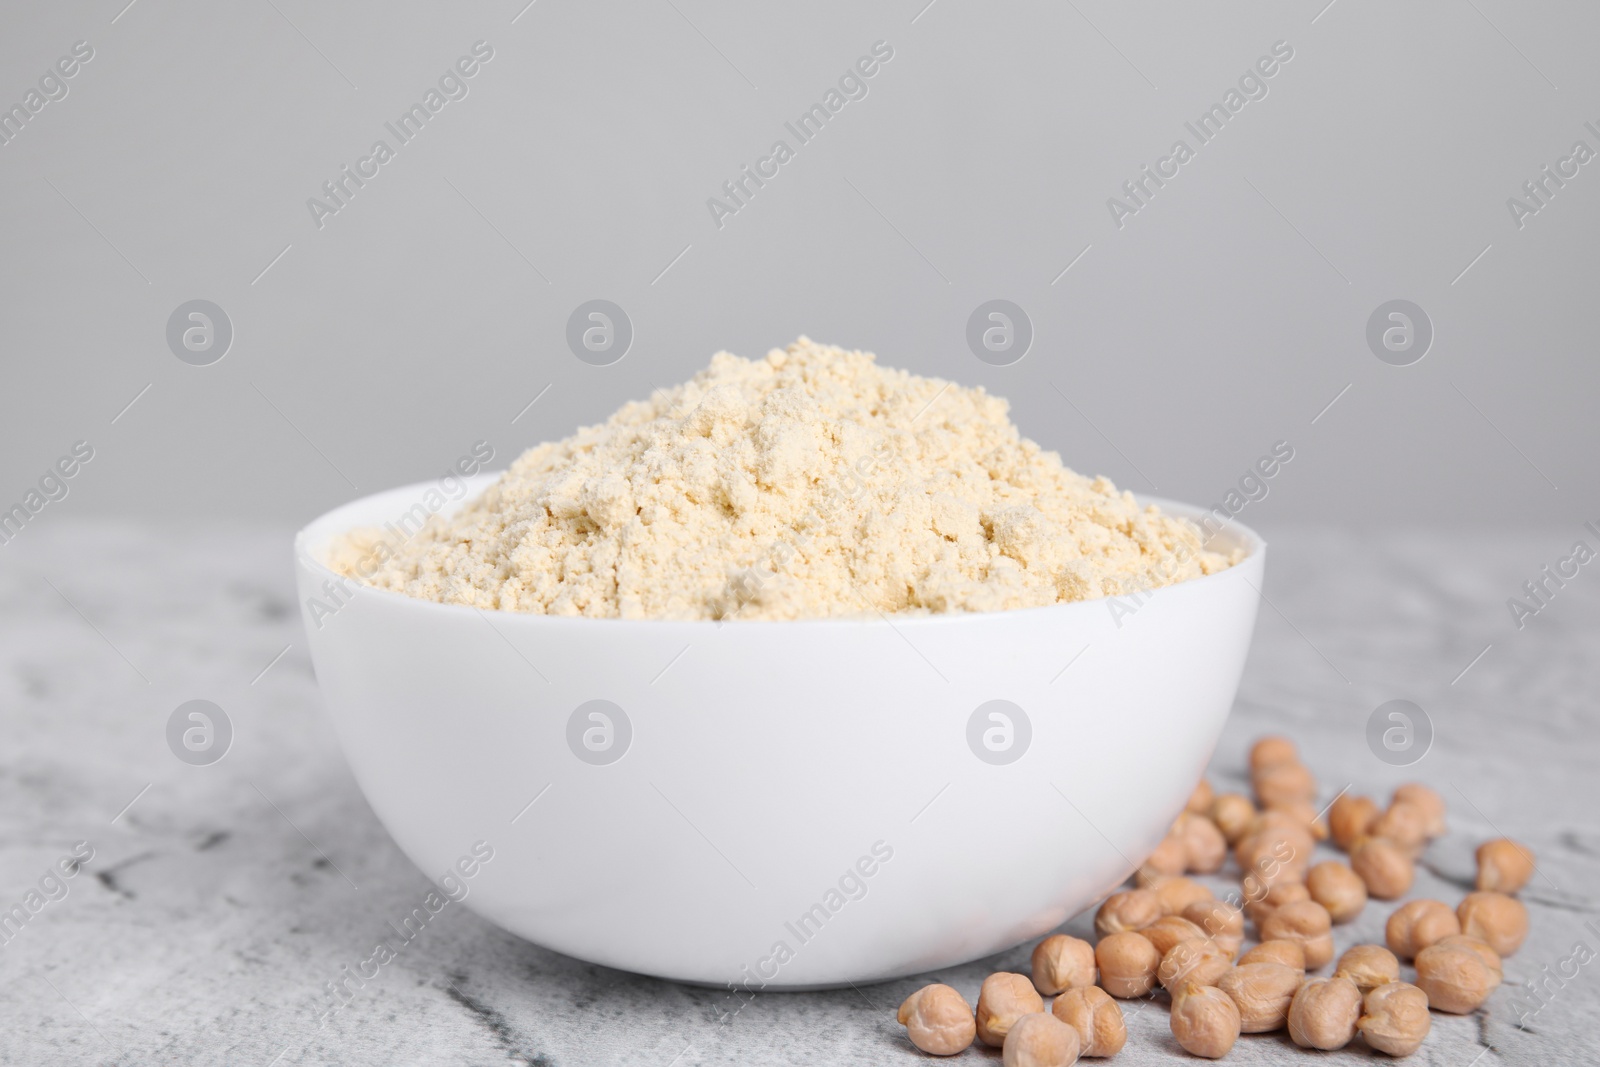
[(810, 483)]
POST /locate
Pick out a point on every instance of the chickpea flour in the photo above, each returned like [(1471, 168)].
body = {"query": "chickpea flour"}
[(810, 483)]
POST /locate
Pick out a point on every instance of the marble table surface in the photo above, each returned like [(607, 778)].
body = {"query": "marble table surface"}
[(221, 899)]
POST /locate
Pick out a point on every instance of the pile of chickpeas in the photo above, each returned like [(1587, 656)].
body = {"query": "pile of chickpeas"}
[(1172, 933)]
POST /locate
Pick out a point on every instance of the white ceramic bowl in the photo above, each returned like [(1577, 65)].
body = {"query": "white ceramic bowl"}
[(798, 804)]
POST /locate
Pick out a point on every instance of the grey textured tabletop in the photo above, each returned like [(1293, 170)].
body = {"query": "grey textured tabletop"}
[(221, 900)]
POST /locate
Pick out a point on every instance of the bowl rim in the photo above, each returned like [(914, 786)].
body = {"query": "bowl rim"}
[(1244, 536)]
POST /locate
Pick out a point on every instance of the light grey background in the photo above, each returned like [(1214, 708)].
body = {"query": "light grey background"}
[(1225, 316)]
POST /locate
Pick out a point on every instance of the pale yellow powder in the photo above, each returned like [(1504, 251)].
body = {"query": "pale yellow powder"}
[(810, 483)]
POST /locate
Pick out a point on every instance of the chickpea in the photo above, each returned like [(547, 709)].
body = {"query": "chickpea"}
[(1002, 1000), (1282, 815), (1339, 889), (1384, 866), (1395, 1018), (1200, 800), (1368, 966), (1283, 782), (1403, 823), (1170, 858), (1275, 898), (1178, 893), (1498, 920), (1170, 930), (1255, 891), (1491, 958), (1204, 848), (938, 1020), (1504, 866), (1416, 924), (1097, 1018), (1431, 803), (1323, 1013), (1205, 1021), (1304, 814), (1307, 922), (1199, 961), (1456, 978), (1232, 812), (1270, 750), (1128, 963), (1270, 823), (1291, 954), (1273, 856), (1060, 963), (1349, 818), (1132, 909), (1222, 922), (1262, 992), (1289, 819), (1039, 1039)]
